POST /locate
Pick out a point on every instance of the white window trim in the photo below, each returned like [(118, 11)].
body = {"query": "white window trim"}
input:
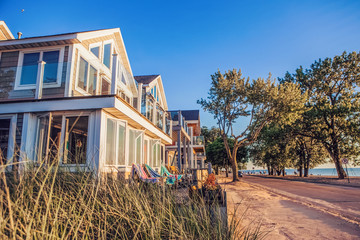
[(98, 44), (18, 86), (80, 90), (118, 121), (12, 136)]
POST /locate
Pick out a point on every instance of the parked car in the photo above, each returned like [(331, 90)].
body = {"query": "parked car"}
[(240, 173)]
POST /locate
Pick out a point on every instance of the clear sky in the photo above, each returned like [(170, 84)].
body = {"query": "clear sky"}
[(187, 41)]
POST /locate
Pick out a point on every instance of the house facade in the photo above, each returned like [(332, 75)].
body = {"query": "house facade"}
[(73, 99), (187, 150)]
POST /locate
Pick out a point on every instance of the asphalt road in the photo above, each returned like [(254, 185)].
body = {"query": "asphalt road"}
[(341, 200)]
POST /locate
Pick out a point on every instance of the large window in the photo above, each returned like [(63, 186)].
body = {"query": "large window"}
[(135, 146), (87, 77), (49, 138), (4, 139), (115, 142), (29, 67)]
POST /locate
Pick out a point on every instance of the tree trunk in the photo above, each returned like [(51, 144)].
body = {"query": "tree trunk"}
[(269, 169), (283, 172), (234, 165), (227, 171), (300, 170), (306, 167), (335, 155)]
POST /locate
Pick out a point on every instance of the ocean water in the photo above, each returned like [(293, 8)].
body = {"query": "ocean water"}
[(355, 172)]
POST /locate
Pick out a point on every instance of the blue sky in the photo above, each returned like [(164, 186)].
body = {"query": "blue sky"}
[(187, 41)]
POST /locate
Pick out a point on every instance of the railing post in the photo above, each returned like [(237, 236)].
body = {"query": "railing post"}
[(139, 97), (154, 112), (39, 80), (164, 121), (114, 74)]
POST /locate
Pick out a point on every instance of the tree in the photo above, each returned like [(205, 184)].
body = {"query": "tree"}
[(210, 135), (232, 96), (333, 111), (216, 154)]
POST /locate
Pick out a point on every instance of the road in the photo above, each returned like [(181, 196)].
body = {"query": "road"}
[(336, 199), (295, 210)]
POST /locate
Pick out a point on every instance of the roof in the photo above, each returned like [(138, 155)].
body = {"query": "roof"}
[(190, 115), (146, 79)]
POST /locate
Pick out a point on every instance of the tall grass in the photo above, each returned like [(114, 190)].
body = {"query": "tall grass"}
[(48, 204)]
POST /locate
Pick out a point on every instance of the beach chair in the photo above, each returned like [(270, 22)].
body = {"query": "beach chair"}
[(137, 170), (165, 172), (169, 179)]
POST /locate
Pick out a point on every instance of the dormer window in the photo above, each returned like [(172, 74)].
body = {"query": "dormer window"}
[(28, 68)]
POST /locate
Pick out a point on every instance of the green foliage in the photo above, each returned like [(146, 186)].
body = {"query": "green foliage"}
[(216, 153), (210, 135), (333, 108), (232, 96)]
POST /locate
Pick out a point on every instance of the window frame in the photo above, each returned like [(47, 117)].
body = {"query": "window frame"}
[(61, 152), (12, 136), (77, 88), (110, 41), (125, 124), (142, 135), (97, 44), (41, 51)]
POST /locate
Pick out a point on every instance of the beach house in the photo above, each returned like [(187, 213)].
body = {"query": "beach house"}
[(187, 150), (72, 99)]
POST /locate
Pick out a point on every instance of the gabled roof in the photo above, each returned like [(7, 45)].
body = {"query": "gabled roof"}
[(5, 33), (146, 79), (191, 115), (68, 38)]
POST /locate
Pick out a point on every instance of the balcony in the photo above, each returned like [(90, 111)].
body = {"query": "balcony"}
[(198, 140)]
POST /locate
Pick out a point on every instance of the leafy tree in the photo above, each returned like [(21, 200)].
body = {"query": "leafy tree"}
[(210, 135), (216, 153), (333, 114), (232, 96)]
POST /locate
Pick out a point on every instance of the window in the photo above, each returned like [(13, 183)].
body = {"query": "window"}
[(105, 86), (48, 140), (29, 70), (155, 153), (4, 139), (107, 55), (87, 77), (135, 146), (76, 132), (115, 142), (96, 51)]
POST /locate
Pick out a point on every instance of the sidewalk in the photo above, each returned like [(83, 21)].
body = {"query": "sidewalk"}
[(354, 181)]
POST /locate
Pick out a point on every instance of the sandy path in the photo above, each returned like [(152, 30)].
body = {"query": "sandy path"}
[(283, 218)]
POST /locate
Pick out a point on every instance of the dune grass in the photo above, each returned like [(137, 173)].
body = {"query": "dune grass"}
[(46, 203)]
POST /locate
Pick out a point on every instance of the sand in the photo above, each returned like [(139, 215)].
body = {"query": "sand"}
[(281, 217)]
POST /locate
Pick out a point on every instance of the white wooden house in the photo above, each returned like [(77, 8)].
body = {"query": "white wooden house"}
[(72, 98)]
